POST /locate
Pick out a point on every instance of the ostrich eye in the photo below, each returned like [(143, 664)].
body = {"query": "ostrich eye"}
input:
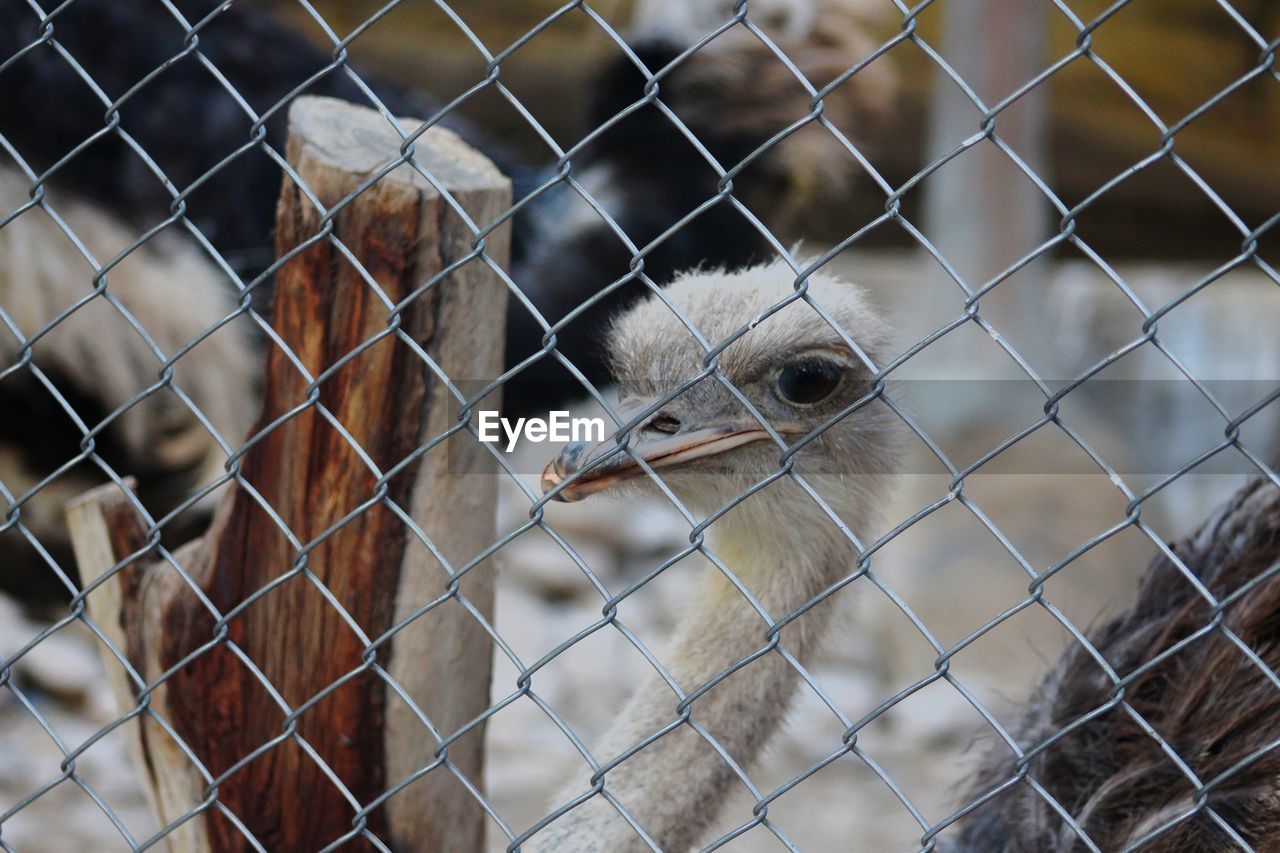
[(807, 382)]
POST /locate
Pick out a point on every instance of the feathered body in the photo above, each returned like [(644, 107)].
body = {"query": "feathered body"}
[(184, 117), (1214, 705), (94, 361)]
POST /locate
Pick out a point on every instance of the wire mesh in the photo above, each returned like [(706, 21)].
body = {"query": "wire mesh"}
[(164, 358)]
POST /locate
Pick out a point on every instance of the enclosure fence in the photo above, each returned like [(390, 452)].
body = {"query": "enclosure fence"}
[(386, 503)]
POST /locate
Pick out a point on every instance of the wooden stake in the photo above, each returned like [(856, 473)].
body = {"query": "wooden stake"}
[(320, 533)]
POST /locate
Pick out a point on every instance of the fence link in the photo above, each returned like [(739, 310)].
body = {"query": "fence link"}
[(143, 151)]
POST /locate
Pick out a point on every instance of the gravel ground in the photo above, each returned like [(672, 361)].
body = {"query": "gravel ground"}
[(61, 700)]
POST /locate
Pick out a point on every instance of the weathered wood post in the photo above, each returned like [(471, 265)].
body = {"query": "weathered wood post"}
[(368, 560)]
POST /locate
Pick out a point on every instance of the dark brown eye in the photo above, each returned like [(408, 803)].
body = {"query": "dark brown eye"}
[(810, 381)]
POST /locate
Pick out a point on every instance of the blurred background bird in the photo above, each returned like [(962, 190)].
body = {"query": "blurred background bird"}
[(182, 125)]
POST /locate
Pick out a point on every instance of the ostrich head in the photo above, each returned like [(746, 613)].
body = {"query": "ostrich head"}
[(795, 367)]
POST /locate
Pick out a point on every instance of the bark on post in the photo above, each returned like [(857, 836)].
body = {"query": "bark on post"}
[(306, 471)]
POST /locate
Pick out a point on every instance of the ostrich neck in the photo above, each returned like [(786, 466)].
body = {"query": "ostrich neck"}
[(674, 786)]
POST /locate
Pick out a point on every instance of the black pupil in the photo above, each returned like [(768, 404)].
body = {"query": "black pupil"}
[(808, 381)]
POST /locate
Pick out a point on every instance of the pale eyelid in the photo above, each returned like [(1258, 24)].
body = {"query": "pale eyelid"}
[(836, 352)]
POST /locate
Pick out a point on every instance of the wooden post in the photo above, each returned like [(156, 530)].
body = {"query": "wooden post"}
[(305, 469)]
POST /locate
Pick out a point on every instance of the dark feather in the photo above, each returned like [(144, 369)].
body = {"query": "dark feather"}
[(184, 118), (1208, 699)]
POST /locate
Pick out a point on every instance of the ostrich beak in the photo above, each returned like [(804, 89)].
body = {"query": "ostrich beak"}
[(595, 466)]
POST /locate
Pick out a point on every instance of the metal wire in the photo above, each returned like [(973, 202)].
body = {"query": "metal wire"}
[(862, 571)]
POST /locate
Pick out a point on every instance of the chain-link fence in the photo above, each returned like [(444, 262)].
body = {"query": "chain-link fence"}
[(1061, 357)]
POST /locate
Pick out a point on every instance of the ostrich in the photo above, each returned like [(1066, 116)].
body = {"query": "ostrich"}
[(799, 372), (1217, 708)]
